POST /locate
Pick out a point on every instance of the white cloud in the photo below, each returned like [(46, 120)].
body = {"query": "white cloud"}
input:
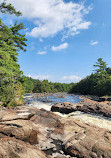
[(41, 52), (60, 47), (40, 77), (53, 16), (94, 43), (71, 78)]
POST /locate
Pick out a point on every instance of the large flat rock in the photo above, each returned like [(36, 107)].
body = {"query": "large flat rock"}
[(46, 134), (14, 148), (85, 140)]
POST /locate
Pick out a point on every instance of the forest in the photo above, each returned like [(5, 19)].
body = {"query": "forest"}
[(98, 83), (36, 86)]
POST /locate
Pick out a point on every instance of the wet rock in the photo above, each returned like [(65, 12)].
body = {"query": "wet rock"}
[(100, 109), (47, 101), (60, 96), (102, 99), (65, 108)]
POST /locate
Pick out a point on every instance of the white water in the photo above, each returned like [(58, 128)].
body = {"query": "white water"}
[(79, 116), (91, 119), (30, 101), (40, 105)]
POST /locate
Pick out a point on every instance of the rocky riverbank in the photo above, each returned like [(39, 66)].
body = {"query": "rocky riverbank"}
[(31, 132), (86, 105)]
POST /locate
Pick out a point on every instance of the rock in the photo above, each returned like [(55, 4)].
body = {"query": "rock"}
[(65, 107), (100, 109), (20, 129), (47, 101), (62, 108), (95, 107), (15, 114), (50, 131), (47, 135), (74, 138), (13, 148), (60, 96), (46, 118), (102, 99), (86, 141)]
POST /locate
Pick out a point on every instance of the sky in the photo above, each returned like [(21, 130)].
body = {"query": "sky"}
[(65, 37)]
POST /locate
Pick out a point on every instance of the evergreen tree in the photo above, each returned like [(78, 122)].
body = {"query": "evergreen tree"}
[(11, 41), (100, 65), (98, 83)]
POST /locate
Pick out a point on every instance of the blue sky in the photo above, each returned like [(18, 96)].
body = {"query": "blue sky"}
[(65, 38)]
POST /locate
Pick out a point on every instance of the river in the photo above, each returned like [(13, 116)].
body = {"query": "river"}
[(35, 101), (46, 101)]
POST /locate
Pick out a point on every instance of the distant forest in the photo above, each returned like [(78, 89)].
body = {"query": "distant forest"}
[(36, 86)]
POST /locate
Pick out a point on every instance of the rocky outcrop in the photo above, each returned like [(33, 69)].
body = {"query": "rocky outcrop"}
[(87, 106), (32, 132), (40, 129), (86, 141), (102, 108), (101, 99), (14, 148), (65, 107)]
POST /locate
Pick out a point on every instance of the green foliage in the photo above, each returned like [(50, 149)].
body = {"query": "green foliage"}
[(98, 83), (12, 37), (10, 42), (8, 8), (37, 86), (28, 84), (9, 73), (101, 65), (16, 102)]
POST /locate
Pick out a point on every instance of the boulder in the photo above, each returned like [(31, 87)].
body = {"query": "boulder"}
[(65, 107)]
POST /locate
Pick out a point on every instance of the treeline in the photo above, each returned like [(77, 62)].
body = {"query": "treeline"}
[(36, 86), (98, 83)]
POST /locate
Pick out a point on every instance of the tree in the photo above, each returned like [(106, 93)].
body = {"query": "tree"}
[(8, 8), (98, 83), (11, 41), (100, 65)]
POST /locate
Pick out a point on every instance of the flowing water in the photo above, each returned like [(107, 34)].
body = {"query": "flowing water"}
[(102, 122), (41, 102)]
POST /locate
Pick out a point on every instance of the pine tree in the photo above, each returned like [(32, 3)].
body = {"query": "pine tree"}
[(11, 41), (101, 65)]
